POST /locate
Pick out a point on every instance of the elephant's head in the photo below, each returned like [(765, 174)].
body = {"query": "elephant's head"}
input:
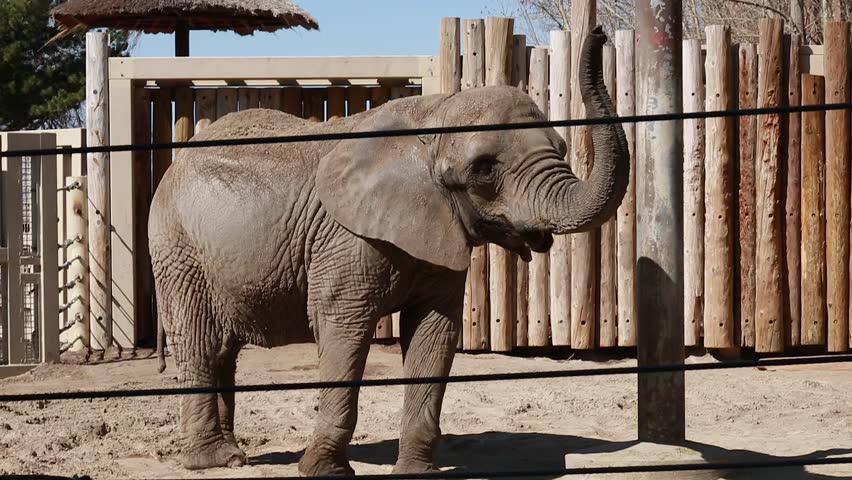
[(437, 196)]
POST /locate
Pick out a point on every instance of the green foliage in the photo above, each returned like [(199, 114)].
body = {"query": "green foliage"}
[(42, 86)]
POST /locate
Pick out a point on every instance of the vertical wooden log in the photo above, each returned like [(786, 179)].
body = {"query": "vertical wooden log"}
[(378, 97), (837, 185), (13, 219), (205, 108), (450, 55), (560, 260), (476, 321), (584, 245), (718, 195), (813, 213), (162, 126), (793, 194), (292, 101), (451, 70), (744, 248), (626, 227), (520, 74), (77, 335), (336, 102), (97, 168), (693, 194), (226, 101), (769, 315), (45, 337), (271, 98), (357, 100), (314, 104), (659, 223), (538, 328), (184, 118), (498, 71), (520, 79), (608, 310), (143, 188)]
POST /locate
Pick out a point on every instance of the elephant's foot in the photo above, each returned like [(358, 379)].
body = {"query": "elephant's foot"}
[(413, 466), (222, 453), (318, 463)]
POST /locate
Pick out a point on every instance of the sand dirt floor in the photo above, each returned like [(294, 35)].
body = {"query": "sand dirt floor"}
[(750, 413)]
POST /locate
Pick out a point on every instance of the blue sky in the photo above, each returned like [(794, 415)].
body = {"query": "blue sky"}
[(347, 27)]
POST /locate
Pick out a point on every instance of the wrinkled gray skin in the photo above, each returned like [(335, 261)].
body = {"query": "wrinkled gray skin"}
[(276, 244)]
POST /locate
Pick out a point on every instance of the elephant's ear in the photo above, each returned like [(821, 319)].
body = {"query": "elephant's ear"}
[(382, 188)]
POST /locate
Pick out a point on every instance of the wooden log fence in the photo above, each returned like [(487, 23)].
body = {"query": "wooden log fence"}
[(758, 193)]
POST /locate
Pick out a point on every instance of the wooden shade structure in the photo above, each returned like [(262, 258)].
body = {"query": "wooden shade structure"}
[(180, 16)]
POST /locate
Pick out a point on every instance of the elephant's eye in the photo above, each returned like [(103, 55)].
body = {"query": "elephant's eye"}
[(484, 167)]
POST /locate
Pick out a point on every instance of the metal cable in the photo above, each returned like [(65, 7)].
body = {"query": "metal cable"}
[(429, 131), (385, 382)]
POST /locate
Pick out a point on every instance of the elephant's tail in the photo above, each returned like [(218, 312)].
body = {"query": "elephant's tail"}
[(161, 344)]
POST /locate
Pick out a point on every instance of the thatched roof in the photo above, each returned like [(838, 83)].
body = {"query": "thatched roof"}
[(163, 16)]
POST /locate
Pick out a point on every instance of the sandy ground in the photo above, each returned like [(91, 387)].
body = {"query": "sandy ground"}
[(749, 413)]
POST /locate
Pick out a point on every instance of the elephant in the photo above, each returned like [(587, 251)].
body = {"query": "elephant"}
[(274, 244)]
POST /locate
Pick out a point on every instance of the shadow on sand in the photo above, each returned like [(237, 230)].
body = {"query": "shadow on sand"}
[(507, 452)]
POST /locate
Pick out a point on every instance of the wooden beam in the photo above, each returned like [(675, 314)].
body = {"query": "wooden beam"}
[(793, 196), (659, 165), (626, 250), (48, 327), (744, 247), (607, 308), (98, 171), (560, 260)]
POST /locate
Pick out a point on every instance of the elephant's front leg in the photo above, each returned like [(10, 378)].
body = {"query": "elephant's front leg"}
[(343, 347), (429, 339)]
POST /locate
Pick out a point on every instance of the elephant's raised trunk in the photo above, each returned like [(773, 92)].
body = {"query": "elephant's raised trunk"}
[(584, 205)]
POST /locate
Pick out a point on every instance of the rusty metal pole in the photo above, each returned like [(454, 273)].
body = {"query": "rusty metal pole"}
[(659, 228)]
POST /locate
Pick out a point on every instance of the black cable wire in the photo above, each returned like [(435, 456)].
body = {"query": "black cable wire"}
[(557, 472), (385, 382), (428, 131)]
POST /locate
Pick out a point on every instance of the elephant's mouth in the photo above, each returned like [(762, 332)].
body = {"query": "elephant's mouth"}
[(527, 242)]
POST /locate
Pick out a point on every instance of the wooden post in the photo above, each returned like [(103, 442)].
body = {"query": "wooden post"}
[(292, 100), (357, 100), (451, 79), (560, 253), (314, 104), (520, 79), (813, 213), (76, 211), (626, 250), (184, 114), (693, 194), (744, 248), (226, 101), (205, 108), (336, 102), (162, 126), (718, 193), (584, 245), (769, 315), (837, 185), (793, 194), (48, 246), (476, 321), (270, 98), (498, 71), (608, 310), (659, 232), (13, 219), (97, 169), (142, 188), (538, 328), (520, 73), (450, 55)]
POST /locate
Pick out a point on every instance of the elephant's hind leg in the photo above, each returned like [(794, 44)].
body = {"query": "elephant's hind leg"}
[(197, 343)]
